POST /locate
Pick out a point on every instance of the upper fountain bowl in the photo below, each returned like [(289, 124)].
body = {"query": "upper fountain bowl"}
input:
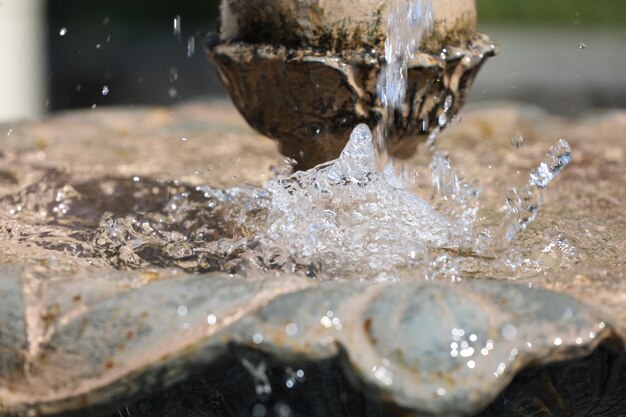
[(304, 72), (335, 25)]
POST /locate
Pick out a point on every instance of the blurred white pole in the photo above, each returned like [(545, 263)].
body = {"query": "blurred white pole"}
[(22, 60)]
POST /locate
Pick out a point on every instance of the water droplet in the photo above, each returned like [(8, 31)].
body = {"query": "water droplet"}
[(173, 74), (105, 90), (177, 25), (172, 92), (443, 120), (557, 158), (383, 374), (441, 392), (261, 381), (582, 45), (63, 31), (191, 46), (558, 341), (326, 322), (447, 105), (258, 410), (517, 141), (569, 313), (257, 338), (509, 332), (291, 329), (182, 310), (283, 410), (501, 368), (211, 319), (467, 352)]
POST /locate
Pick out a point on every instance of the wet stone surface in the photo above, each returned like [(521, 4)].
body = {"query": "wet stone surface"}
[(101, 212), (134, 189)]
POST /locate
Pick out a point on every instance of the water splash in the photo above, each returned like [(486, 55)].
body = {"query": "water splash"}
[(523, 203), (456, 197), (557, 158), (346, 217)]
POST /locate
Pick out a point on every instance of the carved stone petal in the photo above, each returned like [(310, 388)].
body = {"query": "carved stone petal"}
[(397, 341)]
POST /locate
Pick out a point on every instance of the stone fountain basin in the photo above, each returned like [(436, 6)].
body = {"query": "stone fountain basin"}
[(76, 335), (305, 73)]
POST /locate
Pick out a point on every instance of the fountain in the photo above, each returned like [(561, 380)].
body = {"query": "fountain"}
[(146, 273), (310, 82)]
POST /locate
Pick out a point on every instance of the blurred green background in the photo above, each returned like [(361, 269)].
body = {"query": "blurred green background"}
[(585, 13)]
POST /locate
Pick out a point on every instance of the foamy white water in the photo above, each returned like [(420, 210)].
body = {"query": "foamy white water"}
[(347, 216), (352, 215)]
